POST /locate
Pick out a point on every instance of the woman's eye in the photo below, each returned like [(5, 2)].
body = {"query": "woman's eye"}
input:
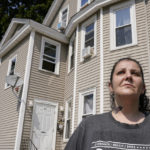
[(120, 72), (136, 73)]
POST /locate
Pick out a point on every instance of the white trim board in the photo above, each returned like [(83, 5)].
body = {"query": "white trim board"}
[(25, 92)]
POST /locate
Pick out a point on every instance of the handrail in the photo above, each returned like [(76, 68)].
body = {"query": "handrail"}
[(28, 144), (32, 144)]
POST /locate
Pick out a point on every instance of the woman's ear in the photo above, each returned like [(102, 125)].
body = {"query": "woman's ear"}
[(110, 87), (143, 89)]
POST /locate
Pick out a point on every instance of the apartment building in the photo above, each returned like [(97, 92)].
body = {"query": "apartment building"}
[(64, 64)]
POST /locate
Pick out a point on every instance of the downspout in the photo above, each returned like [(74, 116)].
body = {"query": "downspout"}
[(25, 91), (75, 80)]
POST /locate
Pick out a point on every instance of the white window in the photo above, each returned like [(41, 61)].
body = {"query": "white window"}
[(71, 53), (50, 56), (87, 101), (67, 131), (123, 25), (11, 68), (88, 37), (63, 18)]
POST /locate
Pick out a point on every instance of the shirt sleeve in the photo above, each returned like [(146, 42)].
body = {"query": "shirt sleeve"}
[(77, 138)]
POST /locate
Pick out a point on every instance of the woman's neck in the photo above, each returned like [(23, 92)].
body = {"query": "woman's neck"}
[(129, 112), (127, 117)]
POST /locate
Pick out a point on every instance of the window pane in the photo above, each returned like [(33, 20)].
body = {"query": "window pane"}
[(123, 17), (69, 110), (49, 59), (90, 27), (88, 104), (48, 66), (83, 2), (50, 49), (67, 135), (64, 15), (89, 36), (123, 35), (65, 11), (12, 69), (89, 43), (72, 56)]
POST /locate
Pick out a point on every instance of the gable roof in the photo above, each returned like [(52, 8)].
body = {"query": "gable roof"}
[(12, 29), (12, 36), (52, 12)]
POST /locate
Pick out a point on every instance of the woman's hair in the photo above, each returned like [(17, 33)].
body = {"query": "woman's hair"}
[(143, 99)]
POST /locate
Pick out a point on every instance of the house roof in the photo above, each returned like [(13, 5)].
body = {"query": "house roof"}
[(85, 13), (79, 16), (19, 28), (52, 12)]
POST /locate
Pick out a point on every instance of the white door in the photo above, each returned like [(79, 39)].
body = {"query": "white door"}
[(44, 125)]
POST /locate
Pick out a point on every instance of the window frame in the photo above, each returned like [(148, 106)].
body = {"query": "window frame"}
[(9, 68), (66, 119), (113, 9), (57, 63), (93, 19), (72, 40), (61, 12), (81, 102)]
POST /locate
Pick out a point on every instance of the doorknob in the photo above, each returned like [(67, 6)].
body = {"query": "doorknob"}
[(43, 132)]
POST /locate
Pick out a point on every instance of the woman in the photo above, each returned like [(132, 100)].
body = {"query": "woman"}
[(127, 126)]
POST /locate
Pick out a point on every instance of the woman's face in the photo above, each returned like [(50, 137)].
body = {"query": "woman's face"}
[(127, 79)]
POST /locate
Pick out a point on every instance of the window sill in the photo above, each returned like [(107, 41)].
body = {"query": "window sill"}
[(121, 47), (82, 61), (50, 72)]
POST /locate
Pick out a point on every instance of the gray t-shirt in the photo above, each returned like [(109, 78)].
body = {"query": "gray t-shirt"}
[(103, 132)]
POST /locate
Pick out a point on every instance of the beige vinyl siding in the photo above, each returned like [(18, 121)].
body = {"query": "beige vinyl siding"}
[(72, 10), (8, 102), (139, 51), (148, 22), (88, 73), (45, 86)]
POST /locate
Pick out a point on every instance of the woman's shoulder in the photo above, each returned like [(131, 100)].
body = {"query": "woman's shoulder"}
[(98, 118)]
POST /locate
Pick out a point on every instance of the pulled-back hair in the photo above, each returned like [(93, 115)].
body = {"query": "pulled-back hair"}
[(143, 99)]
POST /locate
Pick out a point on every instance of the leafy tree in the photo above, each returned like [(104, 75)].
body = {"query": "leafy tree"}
[(31, 9)]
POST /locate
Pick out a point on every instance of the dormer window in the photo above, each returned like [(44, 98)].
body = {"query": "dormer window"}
[(63, 18)]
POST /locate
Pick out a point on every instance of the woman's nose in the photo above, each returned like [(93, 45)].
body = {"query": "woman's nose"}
[(128, 76)]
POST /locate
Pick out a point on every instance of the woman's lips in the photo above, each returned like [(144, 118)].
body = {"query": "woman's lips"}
[(129, 85)]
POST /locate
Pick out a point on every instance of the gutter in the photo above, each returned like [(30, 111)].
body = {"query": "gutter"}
[(26, 29), (85, 13)]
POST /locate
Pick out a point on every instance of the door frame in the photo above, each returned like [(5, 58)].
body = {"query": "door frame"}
[(55, 120)]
